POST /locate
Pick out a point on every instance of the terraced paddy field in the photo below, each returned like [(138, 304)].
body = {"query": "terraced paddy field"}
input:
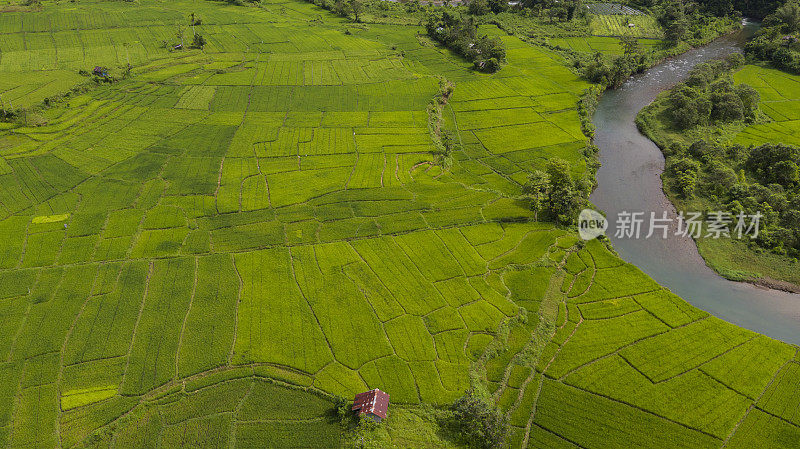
[(780, 100), (620, 25), (602, 44), (204, 253)]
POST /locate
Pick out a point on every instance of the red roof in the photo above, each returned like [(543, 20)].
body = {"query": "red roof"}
[(373, 401)]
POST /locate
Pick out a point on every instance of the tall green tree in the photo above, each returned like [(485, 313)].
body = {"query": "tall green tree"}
[(564, 199), (537, 189)]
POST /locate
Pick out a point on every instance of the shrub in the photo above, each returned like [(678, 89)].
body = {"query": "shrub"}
[(480, 422)]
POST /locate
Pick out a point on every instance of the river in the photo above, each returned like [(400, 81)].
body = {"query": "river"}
[(629, 180)]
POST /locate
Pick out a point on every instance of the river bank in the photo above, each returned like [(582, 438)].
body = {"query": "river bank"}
[(629, 181), (725, 160)]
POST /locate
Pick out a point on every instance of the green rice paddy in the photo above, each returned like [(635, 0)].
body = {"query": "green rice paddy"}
[(642, 26), (780, 100), (601, 44), (204, 253)]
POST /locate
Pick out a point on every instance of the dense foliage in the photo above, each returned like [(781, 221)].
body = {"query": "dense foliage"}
[(614, 72), (779, 39), (556, 10), (481, 423), (690, 20), (709, 96), (460, 34), (762, 179), (554, 193), (734, 178), (748, 8)]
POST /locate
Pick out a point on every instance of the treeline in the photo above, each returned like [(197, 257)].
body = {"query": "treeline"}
[(757, 9), (763, 180), (778, 41), (557, 10), (460, 34), (709, 96), (735, 179)]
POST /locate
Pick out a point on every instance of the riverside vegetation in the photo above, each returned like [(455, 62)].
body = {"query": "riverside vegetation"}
[(730, 148), (217, 248)]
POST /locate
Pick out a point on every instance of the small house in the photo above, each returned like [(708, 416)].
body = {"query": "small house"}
[(373, 403), (100, 71)]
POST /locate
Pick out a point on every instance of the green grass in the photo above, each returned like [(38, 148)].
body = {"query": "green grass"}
[(645, 26)]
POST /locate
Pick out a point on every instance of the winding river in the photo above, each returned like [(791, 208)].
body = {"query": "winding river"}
[(629, 180)]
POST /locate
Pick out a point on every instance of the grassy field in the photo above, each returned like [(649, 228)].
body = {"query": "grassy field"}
[(206, 251), (602, 44), (644, 26), (780, 100)]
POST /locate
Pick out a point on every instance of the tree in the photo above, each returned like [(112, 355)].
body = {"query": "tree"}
[(685, 170), (688, 107), (564, 199), (497, 6), (787, 17), (536, 189), (480, 422), (719, 178), (179, 33), (719, 8), (478, 7), (356, 7), (685, 184), (340, 7), (764, 161), (199, 41), (727, 106), (701, 76), (786, 173), (749, 96), (673, 20)]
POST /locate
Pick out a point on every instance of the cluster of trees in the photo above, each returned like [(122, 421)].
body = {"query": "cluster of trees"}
[(763, 179), (351, 9), (778, 41), (557, 10), (480, 423), (614, 72), (554, 195), (709, 96), (719, 8), (481, 7), (460, 34)]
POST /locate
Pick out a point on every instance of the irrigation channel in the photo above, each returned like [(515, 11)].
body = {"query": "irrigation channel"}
[(630, 180)]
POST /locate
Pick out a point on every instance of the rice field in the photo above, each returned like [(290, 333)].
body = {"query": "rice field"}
[(205, 252), (780, 100), (600, 44), (640, 26)]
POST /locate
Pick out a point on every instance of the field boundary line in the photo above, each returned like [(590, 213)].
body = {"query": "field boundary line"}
[(236, 310), (313, 313), (235, 414), (753, 404), (62, 352), (553, 290), (136, 326), (186, 316), (644, 410)]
